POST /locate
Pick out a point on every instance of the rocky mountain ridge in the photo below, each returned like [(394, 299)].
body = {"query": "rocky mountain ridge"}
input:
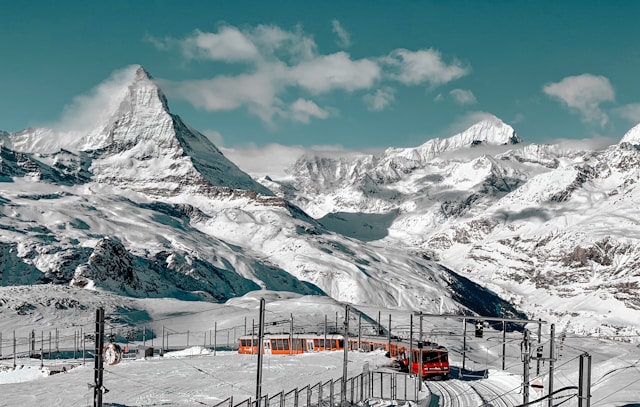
[(550, 228)]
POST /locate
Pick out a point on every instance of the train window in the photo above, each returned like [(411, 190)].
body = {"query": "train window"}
[(340, 344), (430, 357)]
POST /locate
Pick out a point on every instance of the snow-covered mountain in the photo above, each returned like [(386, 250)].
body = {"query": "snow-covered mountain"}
[(548, 227), (142, 205)]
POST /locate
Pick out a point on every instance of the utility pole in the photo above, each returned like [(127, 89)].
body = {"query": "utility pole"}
[(504, 343), (389, 337), (552, 356), (260, 339), (411, 344), (98, 363), (343, 393), (359, 329), (539, 345), (291, 336), (325, 332), (525, 359), (584, 381), (464, 344)]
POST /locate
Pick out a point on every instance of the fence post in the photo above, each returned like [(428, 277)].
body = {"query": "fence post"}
[(41, 349), (331, 394)]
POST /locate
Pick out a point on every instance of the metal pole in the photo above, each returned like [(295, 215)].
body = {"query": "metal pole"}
[(552, 345), (144, 335), (359, 330), (584, 381), (188, 338), (14, 349), (75, 343), (539, 344), (162, 346), (83, 346), (215, 337), (379, 328), (464, 343), (49, 345), (98, 364), (525, 376), (337, 322), (57, 342), (291, 336), (260, 339), (504, 343), (411, 344), (389, 336), (41, 349), (343, 393), (421, 330), (325, 331), (245, 326)]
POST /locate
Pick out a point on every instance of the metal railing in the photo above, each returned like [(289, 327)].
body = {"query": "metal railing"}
[(375, 384)]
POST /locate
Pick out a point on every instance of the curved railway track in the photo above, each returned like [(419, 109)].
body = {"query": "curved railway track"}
[(455, 393)]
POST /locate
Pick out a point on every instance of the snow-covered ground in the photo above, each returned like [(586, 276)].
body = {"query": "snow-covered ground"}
[(200, 376)]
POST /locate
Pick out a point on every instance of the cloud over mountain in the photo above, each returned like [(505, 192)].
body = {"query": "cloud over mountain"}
[(282, 66)]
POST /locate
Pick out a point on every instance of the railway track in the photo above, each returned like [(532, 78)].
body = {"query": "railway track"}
[(456, 393), (492, 397), (453, 393)]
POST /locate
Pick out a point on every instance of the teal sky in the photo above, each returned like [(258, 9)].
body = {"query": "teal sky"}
[(354, 74)]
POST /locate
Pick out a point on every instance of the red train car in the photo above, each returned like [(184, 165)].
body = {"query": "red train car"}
[(285, 344), (434, 359)]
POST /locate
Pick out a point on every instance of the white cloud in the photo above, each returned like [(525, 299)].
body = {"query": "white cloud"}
[(91, 110), (344, 39), (335, 71), (583, 93), (229, 44), (413, 68), (630, 112), (302, 110), (256, 91), (379, 100), (284, 66), (215, 136), (463, 96), (278, 44)]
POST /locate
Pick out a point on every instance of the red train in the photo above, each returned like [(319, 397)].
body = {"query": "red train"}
[(434, 358)]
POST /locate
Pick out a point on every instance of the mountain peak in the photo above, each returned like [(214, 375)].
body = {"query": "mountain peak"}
[(632, 136), (489, 131)]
